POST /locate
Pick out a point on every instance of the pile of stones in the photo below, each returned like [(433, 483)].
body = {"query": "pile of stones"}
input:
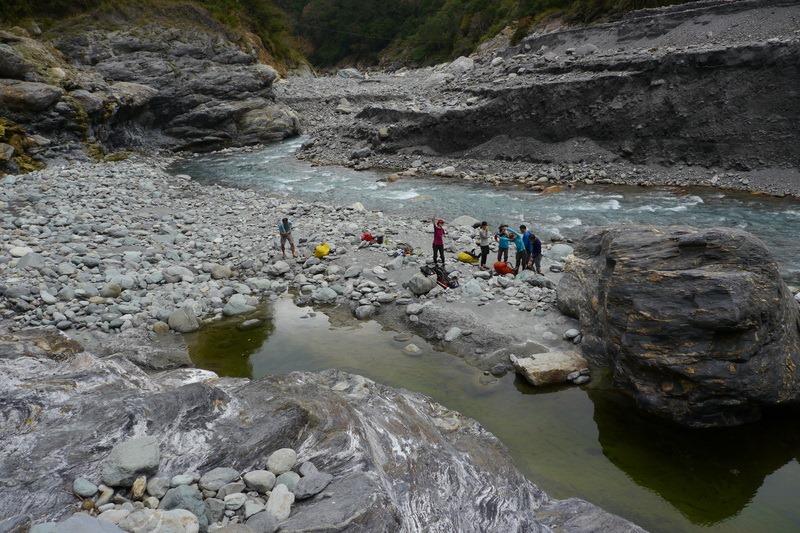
[(135, 499)]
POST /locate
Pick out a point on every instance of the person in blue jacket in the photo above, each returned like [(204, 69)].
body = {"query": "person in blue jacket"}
[(502, 243), (521, 257), (526, 240)]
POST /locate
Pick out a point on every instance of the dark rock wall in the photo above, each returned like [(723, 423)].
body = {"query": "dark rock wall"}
[(170, 80), (697, 324), (733, 107)]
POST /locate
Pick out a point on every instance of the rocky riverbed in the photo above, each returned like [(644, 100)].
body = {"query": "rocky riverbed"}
[(120, 256), (662, 97)]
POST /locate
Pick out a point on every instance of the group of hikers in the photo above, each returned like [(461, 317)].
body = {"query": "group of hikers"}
[(527, 246)]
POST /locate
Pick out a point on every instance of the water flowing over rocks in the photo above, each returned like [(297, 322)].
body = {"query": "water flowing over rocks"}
[(164, 78), (663, 96), (697, 324), (68, 412)]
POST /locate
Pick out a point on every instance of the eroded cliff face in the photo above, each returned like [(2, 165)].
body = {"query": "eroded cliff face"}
[(174, 79), (712, 84)]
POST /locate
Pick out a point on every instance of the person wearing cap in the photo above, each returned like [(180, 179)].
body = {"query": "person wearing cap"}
[(438, 238)]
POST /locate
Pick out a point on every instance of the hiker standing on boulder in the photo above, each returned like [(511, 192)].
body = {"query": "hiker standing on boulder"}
[(483, 236), (285, 229), (438, 238)]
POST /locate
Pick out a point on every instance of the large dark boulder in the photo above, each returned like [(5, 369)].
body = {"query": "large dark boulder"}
[(696, 323)]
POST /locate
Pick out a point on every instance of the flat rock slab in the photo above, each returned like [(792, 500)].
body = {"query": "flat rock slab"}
[(550, 368)]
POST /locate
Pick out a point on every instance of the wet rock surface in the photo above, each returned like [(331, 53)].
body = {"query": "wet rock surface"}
[(697, 324), (396, 460)]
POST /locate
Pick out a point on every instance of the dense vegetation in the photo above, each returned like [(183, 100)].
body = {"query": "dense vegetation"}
[(261, 17), (428, 31), (334, 32)]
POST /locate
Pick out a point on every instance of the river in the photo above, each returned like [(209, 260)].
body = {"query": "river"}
[(585, 441)]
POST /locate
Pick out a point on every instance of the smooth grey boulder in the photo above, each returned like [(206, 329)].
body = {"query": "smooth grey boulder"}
[(697, 324), (83, 523), (280, 502), (218, 478), (128, 460), (188, 498), (215, 509), (290, 479), (84, 488), (259, 480), (281, 461), (311, 484), (175, 520), (364, 312), (263, 522), (183, 320), (237, 305), (559, 252), (420, 284)]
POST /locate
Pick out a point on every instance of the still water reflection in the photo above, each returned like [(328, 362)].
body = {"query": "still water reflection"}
[(588, 442)]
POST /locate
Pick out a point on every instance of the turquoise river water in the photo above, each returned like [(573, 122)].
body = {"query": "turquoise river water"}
[(575, 441)]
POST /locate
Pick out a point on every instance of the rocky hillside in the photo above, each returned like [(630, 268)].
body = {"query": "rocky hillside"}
[(168, 79), (708, 85)]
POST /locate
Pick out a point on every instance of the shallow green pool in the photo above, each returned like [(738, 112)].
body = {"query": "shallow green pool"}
[(587, 442)]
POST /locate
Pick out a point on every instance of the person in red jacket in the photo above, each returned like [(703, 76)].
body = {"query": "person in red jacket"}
[(438, 238)]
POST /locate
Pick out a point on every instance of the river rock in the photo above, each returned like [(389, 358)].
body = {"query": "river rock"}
[(176, 520), (188, 498), (311, 484), (259, 480), (420, 284), (230, 488), (280, 502), (263, 522), (84, 488), (158, 486), (290, 479), (550, 368), (183, 320), (81, 523), (697, 325), (281, 461), (218, 478), (452, 334), (19, 251), (237, 305), (131, 459), (559, 252), (364, 312)]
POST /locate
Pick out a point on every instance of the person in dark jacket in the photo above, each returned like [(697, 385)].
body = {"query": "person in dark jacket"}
[(536, 254)]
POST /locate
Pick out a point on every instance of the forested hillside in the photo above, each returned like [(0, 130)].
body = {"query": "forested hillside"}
[(338, 32)]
